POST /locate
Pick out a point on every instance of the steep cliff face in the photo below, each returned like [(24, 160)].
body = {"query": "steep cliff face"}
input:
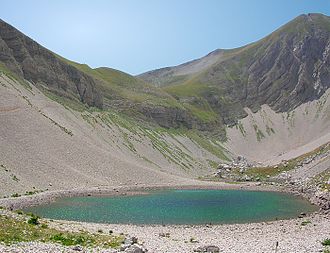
[(287, 68), (29, 60), (284, 70)]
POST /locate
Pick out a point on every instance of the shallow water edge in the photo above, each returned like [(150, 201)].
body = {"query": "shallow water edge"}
[(51, 196)]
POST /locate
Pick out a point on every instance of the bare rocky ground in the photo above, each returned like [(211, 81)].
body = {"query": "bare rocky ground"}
[(295, 235), (257, 237)]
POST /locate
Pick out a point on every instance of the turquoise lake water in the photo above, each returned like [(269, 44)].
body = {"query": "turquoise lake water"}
[(178, 207)]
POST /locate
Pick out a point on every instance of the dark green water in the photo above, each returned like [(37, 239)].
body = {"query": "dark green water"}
[(178, 207)]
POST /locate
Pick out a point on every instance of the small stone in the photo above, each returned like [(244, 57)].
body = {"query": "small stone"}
[(164, 235), (124, 247), (135, 249), (193, 240), (134, 239), (130, 241), (77, 248), (210, 248)]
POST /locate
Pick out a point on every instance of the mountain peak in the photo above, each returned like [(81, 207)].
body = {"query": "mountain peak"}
[(285, 69)]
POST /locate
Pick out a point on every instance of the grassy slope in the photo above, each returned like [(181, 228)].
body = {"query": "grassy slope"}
[(26, 228)]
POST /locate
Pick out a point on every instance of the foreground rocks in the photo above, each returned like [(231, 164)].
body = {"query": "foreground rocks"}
[(291, 235), (130, 245)]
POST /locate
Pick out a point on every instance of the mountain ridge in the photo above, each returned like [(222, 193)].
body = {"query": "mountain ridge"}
[(29, 60), (284, 69), (206, 94)]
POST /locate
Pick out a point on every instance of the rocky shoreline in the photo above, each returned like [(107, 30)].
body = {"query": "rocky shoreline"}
[(303, 235), (293, 235)]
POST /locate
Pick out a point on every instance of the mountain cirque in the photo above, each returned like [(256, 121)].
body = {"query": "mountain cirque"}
[(66, 127)]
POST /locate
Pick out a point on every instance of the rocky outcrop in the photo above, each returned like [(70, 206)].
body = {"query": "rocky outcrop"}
[(29, 60), (173, 117)]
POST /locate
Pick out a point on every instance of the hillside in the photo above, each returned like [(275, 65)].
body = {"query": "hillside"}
[(78, 85), (46, 145)]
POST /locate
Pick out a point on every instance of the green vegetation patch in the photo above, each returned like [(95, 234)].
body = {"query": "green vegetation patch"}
[(326, 242), (188, 89), (68, 103), (259, 134), (269, 130), (14, 230), (241, 128), (213, 164), (305, 223), (204, 115), (4, 70)]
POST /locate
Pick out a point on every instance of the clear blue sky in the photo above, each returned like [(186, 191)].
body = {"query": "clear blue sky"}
[(140, 35)]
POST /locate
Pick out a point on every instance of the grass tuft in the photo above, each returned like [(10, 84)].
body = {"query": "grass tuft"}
[(326, 242)]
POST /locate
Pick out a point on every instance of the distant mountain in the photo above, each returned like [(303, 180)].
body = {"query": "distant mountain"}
[(285, 69)]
